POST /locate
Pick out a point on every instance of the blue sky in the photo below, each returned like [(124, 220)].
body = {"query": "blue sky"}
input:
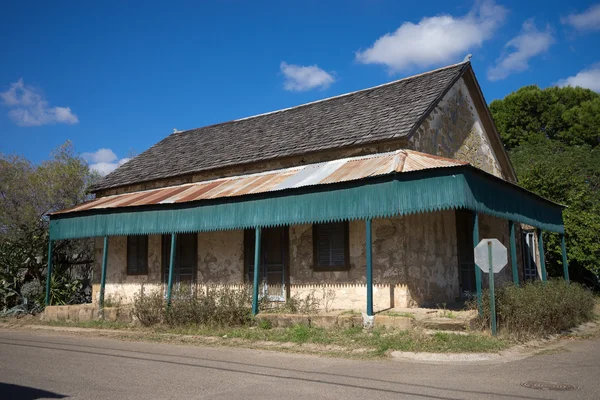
[(116, 77)]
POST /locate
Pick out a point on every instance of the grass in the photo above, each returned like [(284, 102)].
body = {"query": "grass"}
[(448, 314), (349, 342), (399, 314), (94, 324)]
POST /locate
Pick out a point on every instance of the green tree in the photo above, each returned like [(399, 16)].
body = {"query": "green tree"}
[(568, 175), (28, 192), (532, 115)]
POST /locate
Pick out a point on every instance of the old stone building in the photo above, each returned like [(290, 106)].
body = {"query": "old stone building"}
[(372, 200)]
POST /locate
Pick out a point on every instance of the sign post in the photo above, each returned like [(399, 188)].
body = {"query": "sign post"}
[(492, 296), (492, 253)]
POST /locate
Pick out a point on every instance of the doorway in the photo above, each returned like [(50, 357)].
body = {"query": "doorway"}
[(530, 271), (186, 256), (466, 257), (274, 261)]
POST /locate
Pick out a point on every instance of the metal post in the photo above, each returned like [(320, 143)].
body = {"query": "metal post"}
[(563, 246), (171, 267), (369, 246), (477, 270), (542, 256), (256, 270), (49, 272), (492, 296), (103, 278), (513, 253)]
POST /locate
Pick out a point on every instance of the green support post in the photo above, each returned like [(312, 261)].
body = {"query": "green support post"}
[(540, 240), (492, 295), (477, 270), (256, 270), (563, 246), (513, 253), (369, 246), (103, 278), (49, 272), (171, 267)]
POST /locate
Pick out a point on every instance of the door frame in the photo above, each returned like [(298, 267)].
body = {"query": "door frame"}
[(249, 245), (165, 245), (465, 251)]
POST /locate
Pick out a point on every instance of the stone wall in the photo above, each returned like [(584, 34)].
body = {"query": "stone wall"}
[(120, 287), (221, 257), (454, 130), (220, 260), (414, 263)]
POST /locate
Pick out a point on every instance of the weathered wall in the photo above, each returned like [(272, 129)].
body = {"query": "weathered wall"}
[(454, 130), (120, 287), (414, 262), (221, 257), (220, 260)]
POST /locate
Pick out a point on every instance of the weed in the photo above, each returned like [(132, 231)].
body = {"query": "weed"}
[(539, 308), (399, 314), (265, 324)]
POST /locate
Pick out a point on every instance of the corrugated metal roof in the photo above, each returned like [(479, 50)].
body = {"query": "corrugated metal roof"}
[(343, 170)]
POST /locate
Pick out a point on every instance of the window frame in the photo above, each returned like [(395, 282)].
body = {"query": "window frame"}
[(145, 266), (329, 268)]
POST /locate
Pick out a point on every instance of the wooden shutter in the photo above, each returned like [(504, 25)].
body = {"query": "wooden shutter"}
[(137, 255), (331, 246)]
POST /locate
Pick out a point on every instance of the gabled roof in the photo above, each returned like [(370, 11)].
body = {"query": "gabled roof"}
[(336, 171), (390, 111)]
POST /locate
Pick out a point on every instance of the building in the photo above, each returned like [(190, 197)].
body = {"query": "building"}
[(373, 199)]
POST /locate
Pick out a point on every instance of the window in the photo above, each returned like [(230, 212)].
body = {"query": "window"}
[(137, 255), (330, 246)]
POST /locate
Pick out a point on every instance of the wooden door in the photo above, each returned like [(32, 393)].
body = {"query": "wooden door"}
[(185, 267), (273, 271)]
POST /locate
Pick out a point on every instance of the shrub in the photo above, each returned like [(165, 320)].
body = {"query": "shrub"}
[(149, 308), (539, 308), (296, 304), (220, 306)]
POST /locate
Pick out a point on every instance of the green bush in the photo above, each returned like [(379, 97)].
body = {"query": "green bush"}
[(296, 304), (215, 306), (539, 308), (149, 308)]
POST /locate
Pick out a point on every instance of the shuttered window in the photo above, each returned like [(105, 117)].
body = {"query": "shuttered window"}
[(137, 255), (330, 246)]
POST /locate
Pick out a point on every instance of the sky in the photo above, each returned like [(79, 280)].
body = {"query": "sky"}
[(116, 77)]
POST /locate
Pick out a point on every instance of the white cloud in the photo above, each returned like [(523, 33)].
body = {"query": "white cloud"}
[(588, 78), (529, 43), (589, 20), (28, 107), (434, 40), (104, 161), (300, 78)]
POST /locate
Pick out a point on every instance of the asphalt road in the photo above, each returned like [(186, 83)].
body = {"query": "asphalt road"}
[(39, 365)]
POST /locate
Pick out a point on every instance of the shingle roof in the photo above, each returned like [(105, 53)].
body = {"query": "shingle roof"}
[(385, 112)]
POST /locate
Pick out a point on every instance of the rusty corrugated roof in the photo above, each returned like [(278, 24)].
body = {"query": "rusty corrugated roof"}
[(342, 170)]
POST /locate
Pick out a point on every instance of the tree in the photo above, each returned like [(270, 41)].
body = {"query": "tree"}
[(28, 192), (532, 115), (568, 175)]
